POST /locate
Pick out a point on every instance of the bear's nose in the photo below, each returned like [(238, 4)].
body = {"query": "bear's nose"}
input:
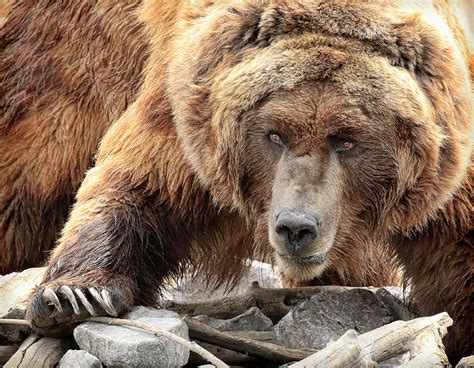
[(296, 231)]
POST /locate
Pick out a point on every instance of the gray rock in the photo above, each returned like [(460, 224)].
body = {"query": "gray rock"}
[(394, 299), (252, 320), (118, 346), (78, 359), (15, 289), (328, 315)]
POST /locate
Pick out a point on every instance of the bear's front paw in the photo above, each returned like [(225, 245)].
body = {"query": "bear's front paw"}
[(52, 309)]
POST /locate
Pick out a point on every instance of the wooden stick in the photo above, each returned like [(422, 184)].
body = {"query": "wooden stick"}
[(259, 349), (21, 322), (191, 345)]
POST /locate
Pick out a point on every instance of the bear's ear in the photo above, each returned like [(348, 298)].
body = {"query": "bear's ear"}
[(252, 24), (422, 48)]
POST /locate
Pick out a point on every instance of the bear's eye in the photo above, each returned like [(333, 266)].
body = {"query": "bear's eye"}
[(275, 138), (343, 145)]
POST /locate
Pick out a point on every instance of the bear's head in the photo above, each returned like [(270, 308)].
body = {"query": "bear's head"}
[(319, 122)]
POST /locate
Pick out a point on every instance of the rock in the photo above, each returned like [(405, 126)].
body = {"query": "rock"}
[(119, 346), (194, 287), (78, 359), (394, 299), (251, 320), (466, 362), (328, 315), (15, 289)]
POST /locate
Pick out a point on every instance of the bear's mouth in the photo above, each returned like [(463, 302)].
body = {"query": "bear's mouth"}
[(315, 259)]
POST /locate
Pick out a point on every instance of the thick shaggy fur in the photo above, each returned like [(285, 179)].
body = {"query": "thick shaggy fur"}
[(66, 72), (188, 176)]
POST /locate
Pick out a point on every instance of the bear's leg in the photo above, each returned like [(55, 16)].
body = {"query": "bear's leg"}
[(128, 231), (115, 260)]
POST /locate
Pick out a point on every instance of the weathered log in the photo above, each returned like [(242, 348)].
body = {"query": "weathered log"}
[(466, 362), (273, 302), (259, 349), (16, 358), (421, 337), (39, 353)]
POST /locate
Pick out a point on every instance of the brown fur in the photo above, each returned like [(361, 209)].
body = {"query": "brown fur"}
[(186, 175), (64, 79)]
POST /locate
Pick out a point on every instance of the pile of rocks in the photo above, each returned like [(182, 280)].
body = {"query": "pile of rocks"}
[(311, 324)]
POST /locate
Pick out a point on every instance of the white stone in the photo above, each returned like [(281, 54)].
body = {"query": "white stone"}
[(78, 359), (119, 346)]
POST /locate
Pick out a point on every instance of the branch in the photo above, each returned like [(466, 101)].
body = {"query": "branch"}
[(21, 322)]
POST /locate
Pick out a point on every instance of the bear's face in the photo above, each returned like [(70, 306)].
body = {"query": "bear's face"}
[(326, 161), (321, 136)]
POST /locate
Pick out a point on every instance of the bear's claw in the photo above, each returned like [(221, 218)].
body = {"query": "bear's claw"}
[(50, 298), (85, 302), (67, 293), (103, 298)]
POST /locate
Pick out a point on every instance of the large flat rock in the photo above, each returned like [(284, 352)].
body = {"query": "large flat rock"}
[(328, 315), (118, 346)]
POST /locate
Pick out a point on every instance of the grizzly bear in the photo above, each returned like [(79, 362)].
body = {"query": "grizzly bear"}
[(323, 130)]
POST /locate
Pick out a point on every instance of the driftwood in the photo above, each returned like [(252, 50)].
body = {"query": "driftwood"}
[(39, 353), (273, 302), (421, 337), (259, 349), (466, 362)]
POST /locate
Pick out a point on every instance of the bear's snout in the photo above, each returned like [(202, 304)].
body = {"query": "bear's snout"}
[(296, 231)]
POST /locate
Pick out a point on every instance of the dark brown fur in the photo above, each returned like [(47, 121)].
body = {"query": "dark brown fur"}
[(186, 176)]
